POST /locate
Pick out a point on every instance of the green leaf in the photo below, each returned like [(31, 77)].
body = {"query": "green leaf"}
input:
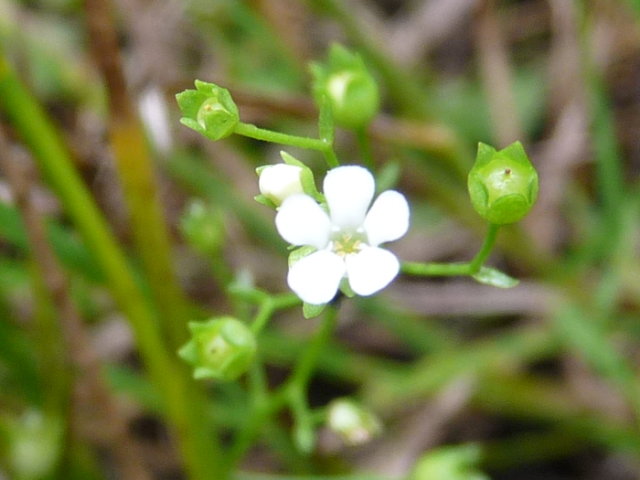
[(495, 278), (311, 311)]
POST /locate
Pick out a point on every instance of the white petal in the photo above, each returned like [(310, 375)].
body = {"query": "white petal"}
[(371, 270), (315, 278), (301, 221), (348, 191), (388, 218)]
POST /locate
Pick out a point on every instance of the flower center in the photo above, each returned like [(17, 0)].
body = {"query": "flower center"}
[(347, 243)]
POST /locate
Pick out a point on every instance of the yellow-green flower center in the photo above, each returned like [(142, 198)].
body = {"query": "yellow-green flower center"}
[(347, 243)]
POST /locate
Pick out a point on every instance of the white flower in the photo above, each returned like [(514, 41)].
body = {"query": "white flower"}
[(277, 182), (347, 239)]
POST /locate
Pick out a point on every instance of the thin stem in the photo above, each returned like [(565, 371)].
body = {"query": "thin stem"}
[(453, 269), (435, 269), (305, 366), (262, 317), (292, 393), (296, 387), (326, 148), (485, 249), (255, 420)]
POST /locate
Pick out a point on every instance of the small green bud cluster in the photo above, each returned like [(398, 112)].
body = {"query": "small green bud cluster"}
[(450, 463), (352, 422), (351, 90), (202, 227), (503, 185), (221, 348), (209, 110)]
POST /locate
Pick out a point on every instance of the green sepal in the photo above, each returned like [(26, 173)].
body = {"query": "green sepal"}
[(310, 311), (495, 278), (306, 176), (189, 352), (265, 201), (345, 288), (299, 253)]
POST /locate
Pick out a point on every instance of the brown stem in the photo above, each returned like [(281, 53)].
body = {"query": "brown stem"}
[(136, 172), (88, 371)]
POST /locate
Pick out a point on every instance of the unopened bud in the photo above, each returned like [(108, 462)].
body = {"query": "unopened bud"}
[(208, 110), (503, 185), (352, 422), (351, 90), (221, 348), (277, 182)]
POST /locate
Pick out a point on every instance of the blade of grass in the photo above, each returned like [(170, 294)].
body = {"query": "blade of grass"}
[(136, 172), (180, 396)]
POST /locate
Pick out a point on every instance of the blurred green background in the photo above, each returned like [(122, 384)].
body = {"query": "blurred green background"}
[(98, 279)]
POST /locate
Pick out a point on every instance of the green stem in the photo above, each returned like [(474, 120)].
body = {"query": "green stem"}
[(268, 306), (485, 249), (292, 393), (454, 269), (262, 317), (296, 387), (326, 148), (435, 269), (302, 373)]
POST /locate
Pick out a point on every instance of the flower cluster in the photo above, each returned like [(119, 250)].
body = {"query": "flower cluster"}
[(345, 237)]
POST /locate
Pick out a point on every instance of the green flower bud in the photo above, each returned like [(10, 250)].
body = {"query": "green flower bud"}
[(208, 110), (202, 227), (450, 463), (351, 90), (220, 348), (352, 422), (503, 185)]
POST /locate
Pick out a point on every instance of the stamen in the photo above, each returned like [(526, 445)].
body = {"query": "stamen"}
[(346, 244)]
